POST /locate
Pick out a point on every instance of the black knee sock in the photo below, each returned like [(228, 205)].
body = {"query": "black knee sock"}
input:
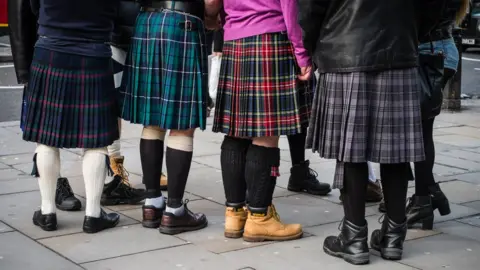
[(424, 169), (355, 192), (261, 171), (395, 185), (178, 168), (151, 156), (297, 147), (232, 159)]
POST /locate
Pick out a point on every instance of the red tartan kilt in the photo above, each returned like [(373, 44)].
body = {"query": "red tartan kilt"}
[(259, 93)]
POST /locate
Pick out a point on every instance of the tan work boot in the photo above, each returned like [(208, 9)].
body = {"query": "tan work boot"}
[(259, 228), (235, 219), (163, 182), (116, 164)]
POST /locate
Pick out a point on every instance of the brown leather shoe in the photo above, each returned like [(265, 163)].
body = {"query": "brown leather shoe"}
[(374, 191), (189, 221), (152, 216)]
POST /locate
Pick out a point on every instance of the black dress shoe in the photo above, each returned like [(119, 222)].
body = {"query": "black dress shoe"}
[(105, 221), (120, 192), (420, 210), (46, 222), (64, 197), (351, 244), (439, 200), (389, 239), (304, 179)]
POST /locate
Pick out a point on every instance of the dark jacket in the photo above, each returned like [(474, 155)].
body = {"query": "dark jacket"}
[(124, 23), (365, 35), (443, 30), (23, 35)]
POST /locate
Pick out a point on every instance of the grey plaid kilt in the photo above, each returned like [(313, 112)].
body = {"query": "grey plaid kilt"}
[(367, 116)]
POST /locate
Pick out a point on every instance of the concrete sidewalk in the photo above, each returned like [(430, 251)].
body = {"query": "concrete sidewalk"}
[(454, 243)]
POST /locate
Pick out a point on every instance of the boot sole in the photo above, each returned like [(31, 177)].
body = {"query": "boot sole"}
[(95, 230), (271, 238), (391, 254), (47, 227), (110, 202), (151, 224), (177, 230), (234, 234), (309, 191), (163, 188), (76, 208), (357, 259)]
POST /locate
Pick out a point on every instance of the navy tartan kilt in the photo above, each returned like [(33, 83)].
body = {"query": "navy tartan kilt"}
[(165, 79), (259, 93), (70, 101)]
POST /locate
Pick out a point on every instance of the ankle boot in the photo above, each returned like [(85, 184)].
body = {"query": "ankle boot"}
[(419, 210), (351, 245), (389, 240), (235, 218), (265, 224), (439, 200)]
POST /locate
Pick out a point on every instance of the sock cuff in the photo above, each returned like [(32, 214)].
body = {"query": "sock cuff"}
[(41, 148), (182, 143), (153, 133)]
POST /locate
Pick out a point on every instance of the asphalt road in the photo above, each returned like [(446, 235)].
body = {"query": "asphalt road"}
[(11, 93)]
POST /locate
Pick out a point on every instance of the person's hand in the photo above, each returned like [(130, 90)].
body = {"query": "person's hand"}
[(305, 73)]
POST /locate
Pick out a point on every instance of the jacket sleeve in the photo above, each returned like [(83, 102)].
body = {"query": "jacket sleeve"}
[(430, 14), (311, 14), (23, 35)]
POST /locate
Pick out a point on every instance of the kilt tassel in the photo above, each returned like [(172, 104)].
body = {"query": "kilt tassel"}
[(35, 169), (109, 167), (275, 171)]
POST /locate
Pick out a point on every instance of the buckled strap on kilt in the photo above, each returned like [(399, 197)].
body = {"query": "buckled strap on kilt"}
[(195, 8)]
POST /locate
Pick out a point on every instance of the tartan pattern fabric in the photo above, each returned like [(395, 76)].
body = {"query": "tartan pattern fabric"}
[(259, 93), (367, 116), (165, 78), (71, 101)]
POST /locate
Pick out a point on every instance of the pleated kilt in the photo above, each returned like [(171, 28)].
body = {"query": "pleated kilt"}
[(70, 101), (367, 116), (165, 80), (259, 93)]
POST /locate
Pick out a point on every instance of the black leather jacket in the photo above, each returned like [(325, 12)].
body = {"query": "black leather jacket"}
[(23, 35), (124, 23), (365, 35), (443, 30)]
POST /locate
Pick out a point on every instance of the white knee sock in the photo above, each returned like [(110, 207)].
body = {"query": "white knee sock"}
[(114, 149), (48, 167), (94, 173), (371, 173)]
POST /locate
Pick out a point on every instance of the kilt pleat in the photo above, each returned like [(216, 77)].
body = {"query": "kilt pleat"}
[(165, 77), (359, 117), (259, 93), (71, 101)]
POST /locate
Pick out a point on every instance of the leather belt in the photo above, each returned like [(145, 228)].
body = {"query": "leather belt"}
[(194, 8)]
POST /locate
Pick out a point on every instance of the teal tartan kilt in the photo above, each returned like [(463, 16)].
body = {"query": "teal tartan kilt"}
[(165, 78)]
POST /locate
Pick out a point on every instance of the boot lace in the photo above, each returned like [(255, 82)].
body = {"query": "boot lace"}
[(124, 174), (275, 214), (65, 188)]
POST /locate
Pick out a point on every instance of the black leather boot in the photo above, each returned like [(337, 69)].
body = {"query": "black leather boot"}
[(351, 244), (420, 210), (105, 221), (303, 178), (64, 198), (46, 222), (439, 200), (389, 239)]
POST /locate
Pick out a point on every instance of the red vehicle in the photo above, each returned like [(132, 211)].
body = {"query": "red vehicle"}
[(3, 16)]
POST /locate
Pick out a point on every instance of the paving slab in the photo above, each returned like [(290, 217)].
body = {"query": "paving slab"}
[(207, 183), (17, 211), (4, 166), (463, 130), (22, 253), (463, 154), (188, 257), (458, 192), (442, 251), (474, 205), (458, 211), (305, 253), (457, 162), (443, 170), (69, 168), (28, 158), (7, 174), (19, 184), (473, 221), (459, 141), (473, 178), (4, 228), (12, 143), (459, 229), (120, 241)]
